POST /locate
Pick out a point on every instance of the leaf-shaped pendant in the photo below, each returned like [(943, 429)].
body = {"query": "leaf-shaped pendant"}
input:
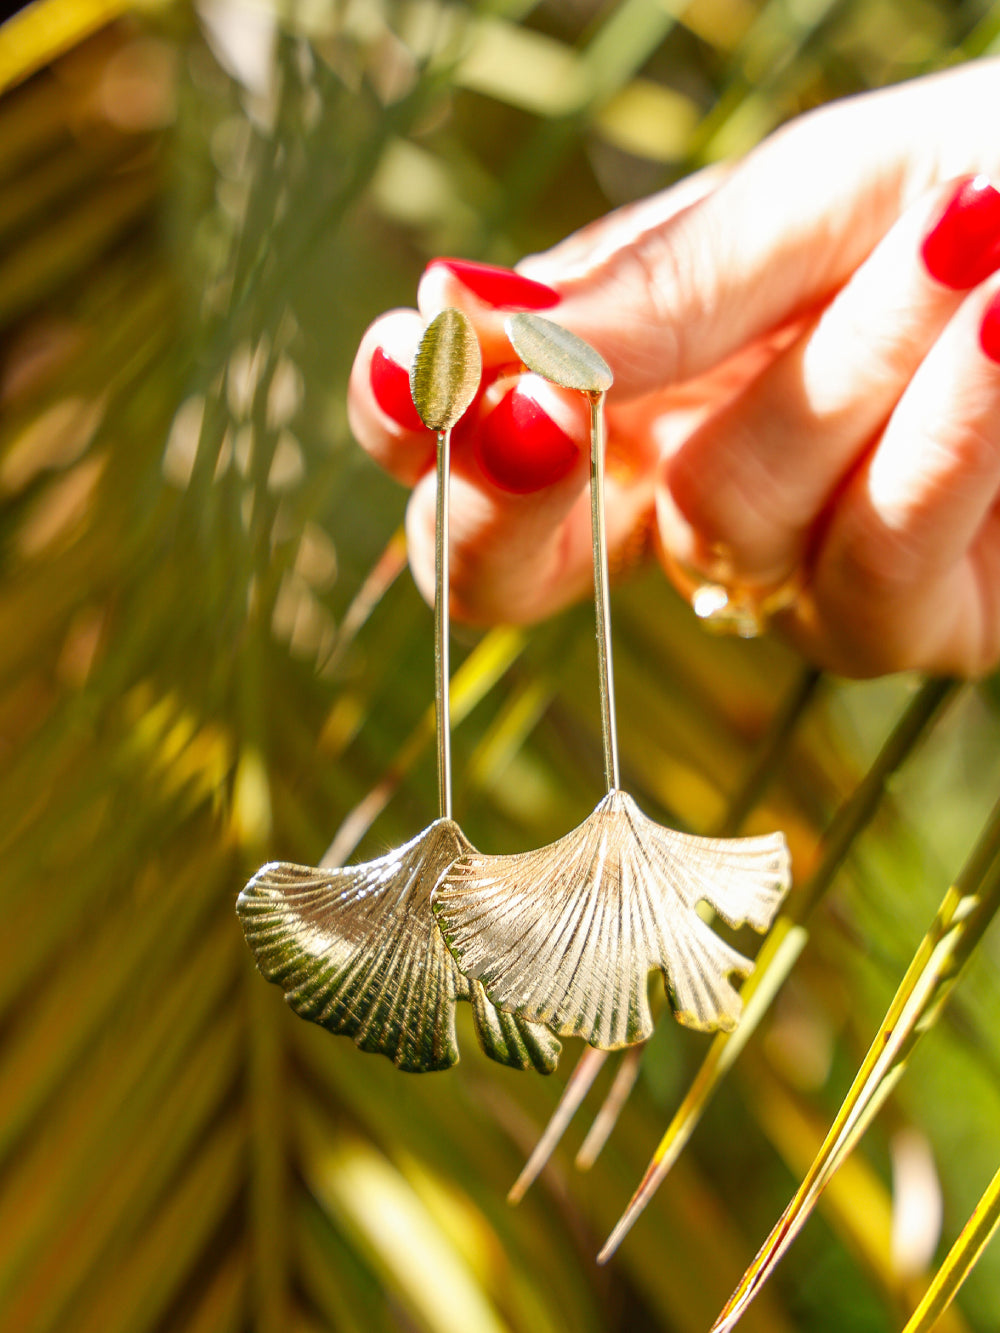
[(357, 949), (568, 935)]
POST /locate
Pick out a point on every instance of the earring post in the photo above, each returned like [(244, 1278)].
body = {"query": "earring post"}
[(442, 628), (602, 601)]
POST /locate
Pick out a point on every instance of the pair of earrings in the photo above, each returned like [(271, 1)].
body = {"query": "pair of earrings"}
[(556, 941)]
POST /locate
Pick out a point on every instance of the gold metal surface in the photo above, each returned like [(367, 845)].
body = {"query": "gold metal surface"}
[(568, 935), (446, 370), (357, 950), (558, 355)]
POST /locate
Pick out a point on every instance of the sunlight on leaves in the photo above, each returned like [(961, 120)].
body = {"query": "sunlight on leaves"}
[(961, 1259), (406, 1242), (967, 909)]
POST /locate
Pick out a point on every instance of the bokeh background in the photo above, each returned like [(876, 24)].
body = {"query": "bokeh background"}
[(211, 653)]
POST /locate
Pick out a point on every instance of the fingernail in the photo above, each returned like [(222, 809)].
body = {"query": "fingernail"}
[(520, 448), (989, 329), (391, 388), (963, 246), (501, 288)]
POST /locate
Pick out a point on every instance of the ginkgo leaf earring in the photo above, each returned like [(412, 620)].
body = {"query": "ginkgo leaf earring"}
[(357, 949), (568, 935)]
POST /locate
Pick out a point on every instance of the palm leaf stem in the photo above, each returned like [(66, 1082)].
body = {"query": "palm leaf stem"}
[(961, 1259), (967, 909)]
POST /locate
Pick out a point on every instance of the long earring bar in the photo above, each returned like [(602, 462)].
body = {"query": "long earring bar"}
[(602, 592), (442, 623)]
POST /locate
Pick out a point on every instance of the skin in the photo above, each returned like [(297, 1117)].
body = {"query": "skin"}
[(795, 397)]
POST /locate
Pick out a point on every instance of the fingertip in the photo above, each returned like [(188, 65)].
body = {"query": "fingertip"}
[(380, 410), (390, 385), (963, 245), (486, 293), (532, 435), (496, 287)]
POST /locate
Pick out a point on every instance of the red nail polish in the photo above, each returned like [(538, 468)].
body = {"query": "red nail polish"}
[(391, 387), (520, 448), (963, 246), (989, 329), (501, 288)]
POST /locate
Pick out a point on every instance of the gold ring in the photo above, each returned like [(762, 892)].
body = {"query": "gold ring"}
[(726, 606)]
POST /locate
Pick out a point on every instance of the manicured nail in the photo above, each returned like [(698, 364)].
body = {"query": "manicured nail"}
[(501, 288), (391, 388), (989, 329), (520, 448), (963, 247)]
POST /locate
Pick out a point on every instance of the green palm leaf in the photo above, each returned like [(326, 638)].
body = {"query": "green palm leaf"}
[(209, 658)]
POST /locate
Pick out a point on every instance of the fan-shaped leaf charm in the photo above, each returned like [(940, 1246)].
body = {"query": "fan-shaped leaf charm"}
[(446, 371), (560, 356), (357, 950), (567, 935)]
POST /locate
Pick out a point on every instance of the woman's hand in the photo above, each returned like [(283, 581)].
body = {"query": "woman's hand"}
[(806, 348)]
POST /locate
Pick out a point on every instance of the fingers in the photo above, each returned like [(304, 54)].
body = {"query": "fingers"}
[(907, 573), (779, 234), (754, 479), (380, 411), (723, 273), (487, 294), (519, 558), (520, 526), (519, 467)]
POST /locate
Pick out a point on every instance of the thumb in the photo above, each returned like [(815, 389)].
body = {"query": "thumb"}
[(668, 291)]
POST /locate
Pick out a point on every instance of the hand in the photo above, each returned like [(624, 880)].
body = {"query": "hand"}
[(806, 348)]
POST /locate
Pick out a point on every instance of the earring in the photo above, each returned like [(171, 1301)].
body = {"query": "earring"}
[(357, 949), (567, 935)]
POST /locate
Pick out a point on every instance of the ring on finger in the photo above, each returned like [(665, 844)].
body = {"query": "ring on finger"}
[(724, 605)]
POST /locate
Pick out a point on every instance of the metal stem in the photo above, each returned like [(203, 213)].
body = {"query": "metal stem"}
[(609, 731), (442, 584)]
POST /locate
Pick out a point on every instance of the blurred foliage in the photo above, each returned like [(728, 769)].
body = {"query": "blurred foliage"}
[(209, 654)]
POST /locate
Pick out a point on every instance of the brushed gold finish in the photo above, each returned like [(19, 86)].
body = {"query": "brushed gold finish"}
[(446, 370), (567, 935), (558, 355), (357, 950)]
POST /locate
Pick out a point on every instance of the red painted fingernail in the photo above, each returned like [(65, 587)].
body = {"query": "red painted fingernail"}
[(391, 387), (989, 329), (963, 246), (499, 287), (520, 448)]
